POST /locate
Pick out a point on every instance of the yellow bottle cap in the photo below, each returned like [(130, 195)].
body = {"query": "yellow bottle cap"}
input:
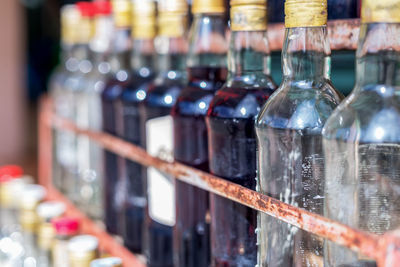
[(172, 24), (305, 13), (122, 13), (69, 23), (144, 19), (175, 6), (248, 15), (380, 11), (208, 6)]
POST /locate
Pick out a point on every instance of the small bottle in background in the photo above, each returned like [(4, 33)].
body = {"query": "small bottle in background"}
[(82, 250), (107, 262), (46, 233), (65, 229), (32, 196)]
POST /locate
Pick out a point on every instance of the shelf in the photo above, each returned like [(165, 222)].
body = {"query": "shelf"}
[(343, 34), (384, 249)]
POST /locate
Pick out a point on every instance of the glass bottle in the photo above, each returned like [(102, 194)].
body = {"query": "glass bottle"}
[(82, 250), (157, 127), (290, 159), (89, 115), (117, 80), (65, 229), (206, 66), (46, 212), (62, 102), (231, 136), (128, 120), (361, 139)]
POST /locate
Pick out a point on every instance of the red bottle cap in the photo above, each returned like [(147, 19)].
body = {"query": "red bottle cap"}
[(102, 8), (9, 172), (86, 9), (66, 226)]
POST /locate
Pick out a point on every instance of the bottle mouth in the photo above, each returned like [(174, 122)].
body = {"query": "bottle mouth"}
[(305, 13)]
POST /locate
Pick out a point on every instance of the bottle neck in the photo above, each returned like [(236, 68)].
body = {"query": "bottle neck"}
[(249, 58), (171, 56), (378, 55), (121, 50), (143, 55), (207, 42), (306, 54)]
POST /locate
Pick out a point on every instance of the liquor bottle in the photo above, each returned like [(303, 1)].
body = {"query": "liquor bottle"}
[(82, 250), (62, 102), (88, 102), (206, 66), (65, 229), (117, 80), (157, 127), (231, 136), (47, 211), (128, 120), (290, 159), (361, 139)]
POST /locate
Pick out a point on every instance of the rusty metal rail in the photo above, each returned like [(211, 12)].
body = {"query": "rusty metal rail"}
[(384, 249)]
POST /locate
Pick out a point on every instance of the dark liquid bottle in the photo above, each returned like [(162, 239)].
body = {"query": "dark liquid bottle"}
[(156, 127), (232, 141), (114, 87), (207, 73), (128, 120)]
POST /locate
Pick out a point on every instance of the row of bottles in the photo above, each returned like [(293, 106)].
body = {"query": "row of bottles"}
[(208, 101), (36, 233)]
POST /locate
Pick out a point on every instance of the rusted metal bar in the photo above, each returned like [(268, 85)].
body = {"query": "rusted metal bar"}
[(384, 249), (343, 34)]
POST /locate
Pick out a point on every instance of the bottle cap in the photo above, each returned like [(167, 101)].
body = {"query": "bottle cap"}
[(102, 8), (66, 226), (50, 209), (122, 13), (107, 262), (208, 6), (69, 23), (305, 13), (174, 6), (83, 243), (87, 9), (32, 195), (144, 19), (9, 172), (45, 236), (248, 15), (380, 11)]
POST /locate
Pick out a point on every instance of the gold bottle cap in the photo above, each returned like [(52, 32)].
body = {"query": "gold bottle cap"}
[(174, 6), (28, 220), (305, 13), (82, 250), (69, 23), (250, 15), (172, 18), (380, 11), (122, 13), (46, 234), (208, 6), (144, 19)]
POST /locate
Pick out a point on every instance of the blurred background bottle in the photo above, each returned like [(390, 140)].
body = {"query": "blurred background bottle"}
[(117, 80), (157, 129), (290, 158), (362, 137), (206, 65), (82, 250), (128, 120), (65, 229), (231, 135)]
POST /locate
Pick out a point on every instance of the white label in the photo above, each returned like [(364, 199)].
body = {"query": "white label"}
[(161, 191)]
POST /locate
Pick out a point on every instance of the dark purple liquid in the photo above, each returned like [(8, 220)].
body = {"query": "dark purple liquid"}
[(158, 237), (191, 232), (112, 203), (232, 144)]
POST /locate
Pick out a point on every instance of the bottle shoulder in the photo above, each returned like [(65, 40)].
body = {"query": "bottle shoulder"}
[(163, 92), (300, 105), (369, 115)]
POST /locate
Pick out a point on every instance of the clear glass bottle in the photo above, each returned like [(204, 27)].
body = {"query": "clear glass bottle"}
[(128, 120), (206, 65), (118, 79), (62, 102), (46, 212), (89, 115), (290, 158), (362, 137), (157, 128), (65, 229), (232, 142)]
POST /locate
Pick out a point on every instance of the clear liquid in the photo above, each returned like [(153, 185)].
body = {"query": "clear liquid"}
[(291, 169), (367, 179)]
